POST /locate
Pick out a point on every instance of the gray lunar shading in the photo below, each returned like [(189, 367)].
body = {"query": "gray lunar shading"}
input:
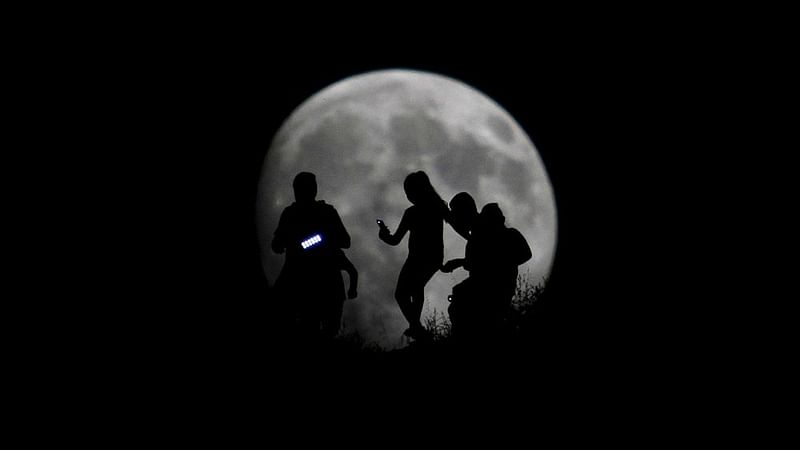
[(362, 136)]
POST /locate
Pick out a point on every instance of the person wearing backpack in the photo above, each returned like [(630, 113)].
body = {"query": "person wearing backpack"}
[(310, 286)]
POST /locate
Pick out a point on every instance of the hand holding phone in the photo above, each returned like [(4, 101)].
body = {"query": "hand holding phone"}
[(383, 231)]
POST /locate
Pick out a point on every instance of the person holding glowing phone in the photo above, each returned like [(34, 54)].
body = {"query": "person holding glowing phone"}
[(424, 222)]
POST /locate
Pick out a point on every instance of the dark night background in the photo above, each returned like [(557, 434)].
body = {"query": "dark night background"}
[(182, 118), (587, 110)]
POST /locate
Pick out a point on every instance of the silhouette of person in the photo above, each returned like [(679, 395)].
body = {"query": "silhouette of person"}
[(312, 234), (462, 217), (493, 255), (462, 312), (424, 221)]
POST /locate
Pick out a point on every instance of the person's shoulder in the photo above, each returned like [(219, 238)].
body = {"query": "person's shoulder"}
[(514, 233), (516, 238), (438, 209), (323, 206), (326, 210), (290, 209)]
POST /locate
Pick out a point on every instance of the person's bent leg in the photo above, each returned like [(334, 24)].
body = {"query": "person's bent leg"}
[(403, 292), (417, 301), (418, 294)]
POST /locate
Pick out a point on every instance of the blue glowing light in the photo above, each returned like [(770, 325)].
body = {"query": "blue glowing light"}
[(312, 241)]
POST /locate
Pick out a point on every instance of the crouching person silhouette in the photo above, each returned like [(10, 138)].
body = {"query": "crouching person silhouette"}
[(493, 255), (424, 221), (462, 218), (310, 284)]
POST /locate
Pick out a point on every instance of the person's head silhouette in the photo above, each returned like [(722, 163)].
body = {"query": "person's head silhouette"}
[(491, 217), (419, 189), (305, 187), (464, 210)]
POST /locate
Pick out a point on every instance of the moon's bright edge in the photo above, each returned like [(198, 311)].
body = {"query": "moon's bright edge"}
[(361, 136)]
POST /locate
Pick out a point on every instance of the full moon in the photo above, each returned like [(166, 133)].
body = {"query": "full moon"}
[(361, 137)]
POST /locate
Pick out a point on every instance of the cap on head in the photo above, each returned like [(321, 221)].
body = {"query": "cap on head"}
[(305, 187), (492, 216)]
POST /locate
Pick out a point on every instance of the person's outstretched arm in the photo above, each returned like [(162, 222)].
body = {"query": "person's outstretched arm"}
[(453, 264), (455, 225), (402, 229)]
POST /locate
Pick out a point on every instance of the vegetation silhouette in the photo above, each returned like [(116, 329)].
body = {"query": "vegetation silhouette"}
[(516, 330)]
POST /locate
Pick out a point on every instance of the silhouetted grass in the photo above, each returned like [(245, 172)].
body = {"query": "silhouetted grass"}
[(438, 324), (519, 322), (352, 341), (521, 315)]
